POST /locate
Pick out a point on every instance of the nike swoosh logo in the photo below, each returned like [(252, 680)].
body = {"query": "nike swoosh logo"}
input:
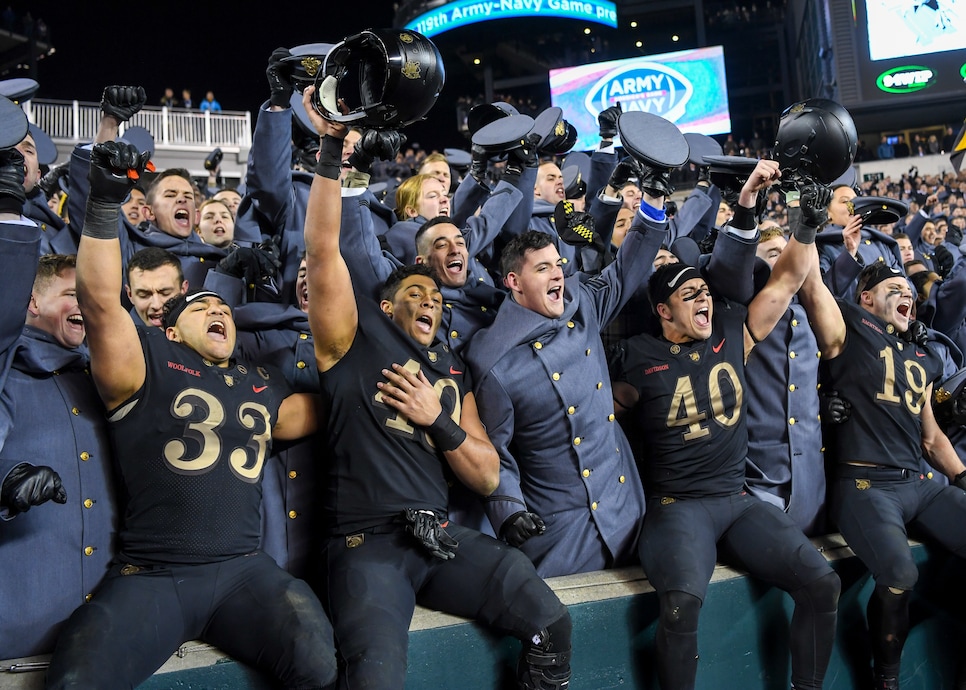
[(717, 348), (258, 389), (677, 275), (920, 354), (454, 372)]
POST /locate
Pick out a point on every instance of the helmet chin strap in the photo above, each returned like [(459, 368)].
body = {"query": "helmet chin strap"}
[(329, 99)]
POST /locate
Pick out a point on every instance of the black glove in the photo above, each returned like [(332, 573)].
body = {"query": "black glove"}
[(12, 175), (954, 235), (624, 171), (607, 119), (656, 181), (479, 163), (254, 265), (523, 156), (279, 78), (960, 481), (576, 227), (28, 485), (834, 408), (704, 174), (814, 201), (426, 528), (376, 144), (50, 183), (122, 102), (115, 167), (942, 261), (521, 526), (917, 334)]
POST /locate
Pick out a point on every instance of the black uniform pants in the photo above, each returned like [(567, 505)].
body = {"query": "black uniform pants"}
[(872, 508), (374, 585), (246, 606)]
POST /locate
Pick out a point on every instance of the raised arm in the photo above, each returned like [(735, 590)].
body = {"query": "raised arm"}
[(333, 315), (796, 261), (824, 314), (117, 360)]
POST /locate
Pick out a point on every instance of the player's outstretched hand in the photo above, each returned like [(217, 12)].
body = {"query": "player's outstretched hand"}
[(115, 167), (814, 203), (122, 102)]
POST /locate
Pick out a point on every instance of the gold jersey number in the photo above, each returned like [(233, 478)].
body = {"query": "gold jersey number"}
[(245, 462), (684, 411)]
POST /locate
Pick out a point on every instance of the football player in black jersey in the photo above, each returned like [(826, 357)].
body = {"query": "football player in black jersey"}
[(403, 420), (191, 427), (873, 356), (684, 390)]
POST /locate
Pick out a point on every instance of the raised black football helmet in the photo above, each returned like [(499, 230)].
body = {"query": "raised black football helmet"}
[(816, 142), (387, 78)]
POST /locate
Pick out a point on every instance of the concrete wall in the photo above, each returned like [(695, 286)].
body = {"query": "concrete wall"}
[(743, 637)]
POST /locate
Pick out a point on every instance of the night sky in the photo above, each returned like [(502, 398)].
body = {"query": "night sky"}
[(198, 45), (201, 45)]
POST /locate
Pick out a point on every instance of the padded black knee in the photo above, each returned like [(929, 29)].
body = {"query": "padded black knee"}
[(888, 626), (822, 594), (545, 658), (679, 612)]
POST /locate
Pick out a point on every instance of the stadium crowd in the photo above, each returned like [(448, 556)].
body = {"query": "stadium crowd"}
[(277, 417)]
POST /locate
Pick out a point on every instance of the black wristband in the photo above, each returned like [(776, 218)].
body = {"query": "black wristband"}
[(960, 480), (330, 158), (447, 434), (804, 234), (100, 221), (744, 218)]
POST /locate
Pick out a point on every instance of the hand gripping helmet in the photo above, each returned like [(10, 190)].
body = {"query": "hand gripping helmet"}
[(816, 142), (387, 78), (949, 402)]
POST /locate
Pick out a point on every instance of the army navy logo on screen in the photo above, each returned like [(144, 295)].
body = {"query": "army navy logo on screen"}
[(646, 86)]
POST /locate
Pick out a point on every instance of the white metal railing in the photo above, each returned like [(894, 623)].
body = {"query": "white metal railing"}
[(73, 121)]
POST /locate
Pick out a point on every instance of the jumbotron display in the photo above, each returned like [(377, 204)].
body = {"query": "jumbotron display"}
[(453, 15), (686, 87)]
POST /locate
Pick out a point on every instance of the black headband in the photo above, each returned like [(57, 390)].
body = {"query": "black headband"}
[(667, 279), (171, 315), (882, 272)]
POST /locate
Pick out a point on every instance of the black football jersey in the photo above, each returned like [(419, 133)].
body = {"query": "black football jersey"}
[(690, 421), (190, 446), (380, 463), (885, 380)]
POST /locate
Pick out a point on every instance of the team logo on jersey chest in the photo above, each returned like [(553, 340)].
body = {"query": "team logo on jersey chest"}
[(229, 380)]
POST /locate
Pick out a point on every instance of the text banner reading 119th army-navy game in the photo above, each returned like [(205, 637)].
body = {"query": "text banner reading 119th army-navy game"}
[(456, 14)]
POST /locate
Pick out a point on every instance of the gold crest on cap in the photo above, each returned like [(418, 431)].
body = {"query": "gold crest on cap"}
[(311, 65)]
